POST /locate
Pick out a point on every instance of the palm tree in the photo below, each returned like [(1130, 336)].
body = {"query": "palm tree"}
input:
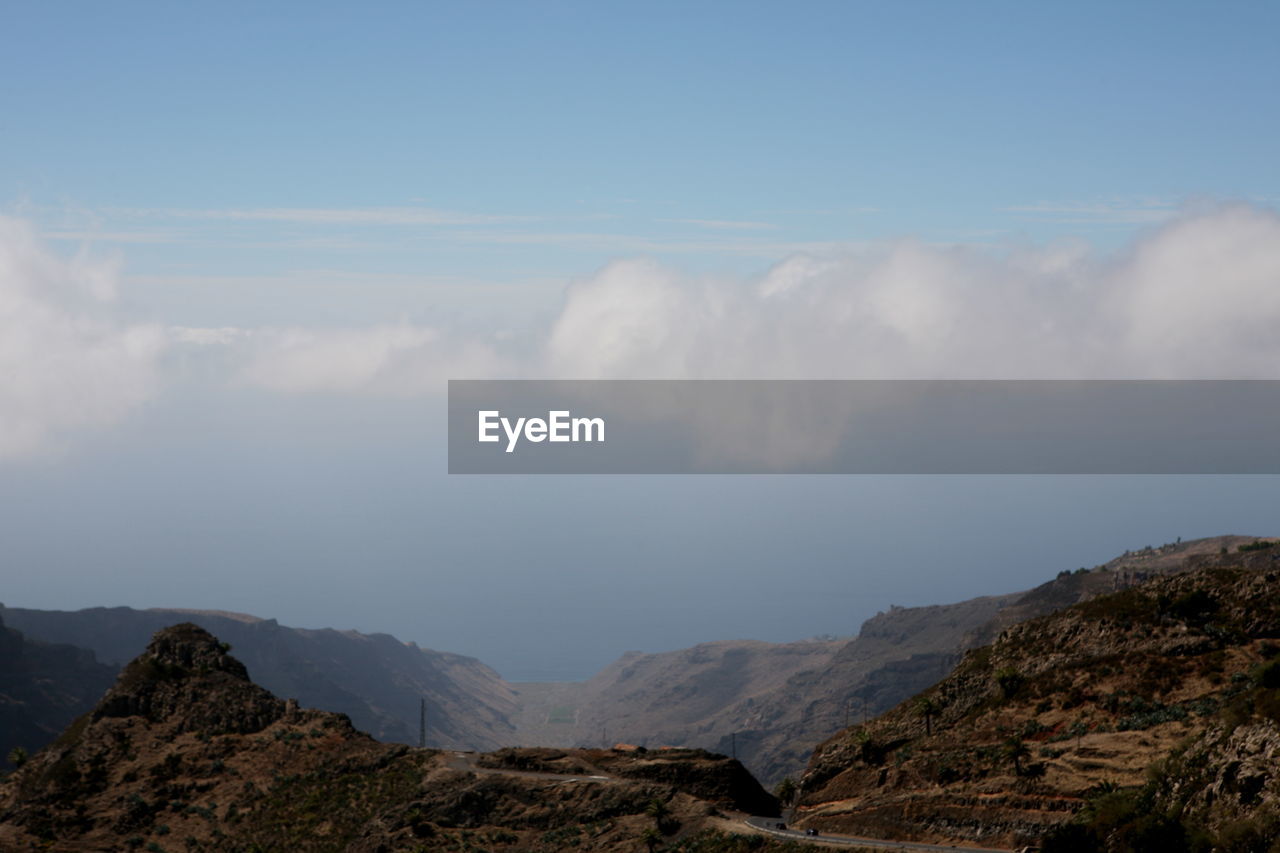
[(786, 791), (651, 839), (665, 822), (17, 756), (658, 810), (927, 708), (1016, 750)]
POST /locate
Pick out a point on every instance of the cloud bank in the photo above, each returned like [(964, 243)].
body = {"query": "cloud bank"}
[(1195, 297), (65, 363), (399, 359)]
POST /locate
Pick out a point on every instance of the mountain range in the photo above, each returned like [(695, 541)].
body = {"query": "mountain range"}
[(1136, 709), (768, 704), (375, 679)]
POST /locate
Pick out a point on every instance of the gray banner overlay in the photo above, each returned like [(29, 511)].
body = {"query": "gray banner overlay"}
[(864, 427)]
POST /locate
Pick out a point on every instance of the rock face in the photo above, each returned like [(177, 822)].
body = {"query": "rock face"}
[(375, 679), (43, 687), (1179, 673), (185, 752), (1237, 775)]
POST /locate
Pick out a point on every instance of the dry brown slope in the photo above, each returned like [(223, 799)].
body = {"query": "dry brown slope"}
[(1057, 705)]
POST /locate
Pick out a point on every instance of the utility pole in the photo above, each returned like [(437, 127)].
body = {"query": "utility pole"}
[(422, 723)]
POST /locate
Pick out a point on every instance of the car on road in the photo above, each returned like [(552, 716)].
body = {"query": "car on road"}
[(811, 831)]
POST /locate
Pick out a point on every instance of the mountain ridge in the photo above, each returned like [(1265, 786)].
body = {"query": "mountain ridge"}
[(184, 750), (769, 704), (376, 679)]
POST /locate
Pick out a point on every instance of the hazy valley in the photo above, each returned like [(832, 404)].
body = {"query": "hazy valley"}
[(1066, 712)]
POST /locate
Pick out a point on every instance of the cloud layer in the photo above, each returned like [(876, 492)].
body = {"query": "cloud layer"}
[(1195, 297), (399, 359), (1198, 297), (65, 363)]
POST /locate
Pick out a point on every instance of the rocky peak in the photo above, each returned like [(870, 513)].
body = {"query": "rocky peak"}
[(189, 647), (186, 676)]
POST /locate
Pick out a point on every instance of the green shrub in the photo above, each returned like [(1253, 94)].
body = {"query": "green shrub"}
[(1010, 681), (1195, 606), (1267, 675)]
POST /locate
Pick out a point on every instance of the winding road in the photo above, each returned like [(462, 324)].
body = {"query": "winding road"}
[(770, 825), (467, 763)]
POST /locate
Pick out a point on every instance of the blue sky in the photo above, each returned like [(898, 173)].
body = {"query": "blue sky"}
[(243, 245), (624, 125)]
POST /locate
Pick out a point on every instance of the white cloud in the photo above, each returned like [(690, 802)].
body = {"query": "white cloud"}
[(396, 359), (65, 363), (86, 237), (344, 216), (1197, 298), (1202, 297), (728, 224), (1120, 212), (635, 244), (207, 336)]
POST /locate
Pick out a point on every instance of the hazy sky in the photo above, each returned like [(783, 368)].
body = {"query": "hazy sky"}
[(242, 248)]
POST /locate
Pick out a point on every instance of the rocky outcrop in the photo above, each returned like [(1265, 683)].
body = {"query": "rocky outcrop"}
[(1237, 773), (187, 679)]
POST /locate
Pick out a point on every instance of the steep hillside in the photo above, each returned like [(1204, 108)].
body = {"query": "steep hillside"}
[(768, 703), (43, 687), (373, 678), (1173, 681), (185, 753), (896, 654), (691, 697), (771, 704)]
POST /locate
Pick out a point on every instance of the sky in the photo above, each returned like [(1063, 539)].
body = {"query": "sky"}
[(243, 246)]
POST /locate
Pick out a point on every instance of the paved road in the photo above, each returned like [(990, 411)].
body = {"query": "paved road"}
[(769, 825)]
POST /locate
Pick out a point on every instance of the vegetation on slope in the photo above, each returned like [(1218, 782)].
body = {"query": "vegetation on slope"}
[(1151, 696)]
